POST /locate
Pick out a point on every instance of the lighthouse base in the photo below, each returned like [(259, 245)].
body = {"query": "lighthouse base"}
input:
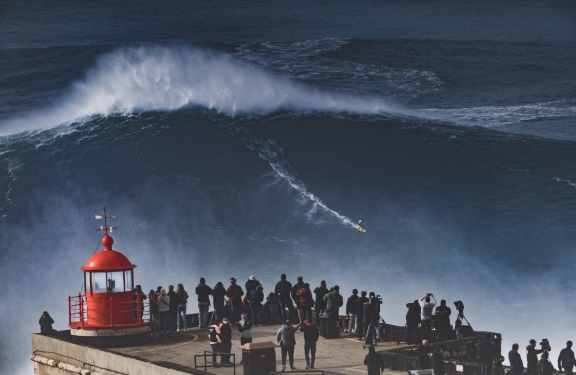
[(112, 338)]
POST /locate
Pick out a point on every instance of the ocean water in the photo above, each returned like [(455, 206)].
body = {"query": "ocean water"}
[(238, 139)]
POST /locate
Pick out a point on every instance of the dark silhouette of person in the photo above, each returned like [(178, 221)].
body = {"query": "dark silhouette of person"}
[(374, 362), (566, 359), (443, 321), (423, 351), (532, 357), (516, 364)]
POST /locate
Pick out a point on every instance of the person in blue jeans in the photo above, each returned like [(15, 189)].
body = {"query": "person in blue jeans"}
[(283, 294), (311, 335), (256, 299), (182, 303)]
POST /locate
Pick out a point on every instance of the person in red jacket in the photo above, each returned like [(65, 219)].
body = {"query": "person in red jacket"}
[(305, 302), (235, 294)]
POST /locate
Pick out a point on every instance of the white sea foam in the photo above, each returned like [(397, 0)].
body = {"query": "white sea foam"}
[(164, 79)]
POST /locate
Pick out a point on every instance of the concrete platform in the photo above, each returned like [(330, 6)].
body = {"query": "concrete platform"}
[(335, 356)]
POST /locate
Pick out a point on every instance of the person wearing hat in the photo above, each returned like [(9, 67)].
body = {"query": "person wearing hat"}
[(532, 357), (235, 294), (251, 284)]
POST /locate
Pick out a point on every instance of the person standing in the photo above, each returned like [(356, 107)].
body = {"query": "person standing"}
[(299, 285), (153, 298), (46, 322), (516, 364), (333, 303), (566, 359), (138, 297), (423, 351), (438, 367), (372, 317), (251, 285), (545, 367), (204, 292), (311, 335), (256, 299), (182, 303), (427, 304), (245, 329), (235, 294), (226, 341), (320, 305), (486, 353), (305, 300), (164, 309), (413, 323), (271, 313), (287, 342), (215, 340), (351, 312), (219, 294), (283, 289), (360, 327), (532, 357), (374, 362), (443, 321), (173, 314)]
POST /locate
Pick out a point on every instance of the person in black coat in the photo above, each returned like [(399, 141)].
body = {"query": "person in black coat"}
[(351, 312), (566, 359), (320, 305), (443, 321), (423, 351), (516, 364), (532, 357), (174, 301), (413, 323), (311, 335), (438, 363), (225, 335), (486, 355), (374, 362), (46, 322), (360, 328)]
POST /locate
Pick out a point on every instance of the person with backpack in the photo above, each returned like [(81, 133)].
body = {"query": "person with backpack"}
[(486, 355), (374, 362), (320, 305), (256, 299), (311, 335), (283, 292), (235, 294), (306, 301), (351, 312), (173, 315), (203, 292), (299, 285)]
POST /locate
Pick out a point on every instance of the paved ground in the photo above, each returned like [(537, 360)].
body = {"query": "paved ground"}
[(336, 356)]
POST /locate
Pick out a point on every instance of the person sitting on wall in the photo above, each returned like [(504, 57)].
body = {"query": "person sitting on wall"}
[(46, 322)]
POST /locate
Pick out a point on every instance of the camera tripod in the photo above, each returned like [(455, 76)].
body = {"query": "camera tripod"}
[(461, 316)]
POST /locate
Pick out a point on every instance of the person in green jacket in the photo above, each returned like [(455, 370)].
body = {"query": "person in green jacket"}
[(334, 300)]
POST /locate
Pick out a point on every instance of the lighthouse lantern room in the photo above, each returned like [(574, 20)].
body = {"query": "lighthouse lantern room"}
[(111, 305)]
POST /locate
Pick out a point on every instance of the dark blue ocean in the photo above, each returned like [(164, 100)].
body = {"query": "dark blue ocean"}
[(248, 138)]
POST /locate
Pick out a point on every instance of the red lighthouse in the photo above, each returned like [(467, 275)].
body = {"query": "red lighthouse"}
[(110, 312)]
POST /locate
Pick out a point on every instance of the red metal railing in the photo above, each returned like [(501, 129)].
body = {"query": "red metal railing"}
[(114, 313)]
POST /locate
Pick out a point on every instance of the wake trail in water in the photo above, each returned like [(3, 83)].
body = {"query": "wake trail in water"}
[(143, 79), (268, 150)]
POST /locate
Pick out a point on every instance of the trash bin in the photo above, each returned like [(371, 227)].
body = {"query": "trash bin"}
[(259, 358)]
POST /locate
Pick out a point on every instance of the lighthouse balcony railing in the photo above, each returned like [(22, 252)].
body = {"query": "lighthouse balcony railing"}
[(110, 313)]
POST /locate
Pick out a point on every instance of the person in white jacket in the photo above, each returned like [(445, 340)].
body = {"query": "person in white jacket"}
[(427, 304), (164, 310)]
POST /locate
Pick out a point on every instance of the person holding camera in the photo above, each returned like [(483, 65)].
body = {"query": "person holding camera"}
[(532, 357), (427, 304)]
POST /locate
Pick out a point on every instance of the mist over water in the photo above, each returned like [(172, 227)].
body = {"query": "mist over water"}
[(251, 142)]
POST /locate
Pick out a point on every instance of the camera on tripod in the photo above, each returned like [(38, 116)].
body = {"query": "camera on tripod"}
[(460, 307), (378, 299), (545, 345)]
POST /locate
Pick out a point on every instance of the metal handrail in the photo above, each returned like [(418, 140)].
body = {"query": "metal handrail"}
[(78, 310), (209, 353)]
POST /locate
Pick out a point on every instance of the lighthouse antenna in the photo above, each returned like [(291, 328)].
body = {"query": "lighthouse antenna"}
[(106, 228)]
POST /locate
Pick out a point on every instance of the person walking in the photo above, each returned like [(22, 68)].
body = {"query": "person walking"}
[(532, 357), (566, 359), (46, 322), (320, 306), (423, 351), (215, 341), (283, 290), (311, 335), (235, 294), (164, 309), (256, 299), (287, 342), (299, 285), (360, 327), (225, 341), (182, 303), (486, 355), (374, 362), (545, 367), (245, 329), (351, 312), (173, 314), (153, 298), (427, 304), (203, 292), (305, 300), (219, 294), (516, 364)]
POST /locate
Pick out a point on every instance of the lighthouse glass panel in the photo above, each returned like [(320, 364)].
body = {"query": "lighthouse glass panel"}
[(128, 278), (99, 282), (115, 282)]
